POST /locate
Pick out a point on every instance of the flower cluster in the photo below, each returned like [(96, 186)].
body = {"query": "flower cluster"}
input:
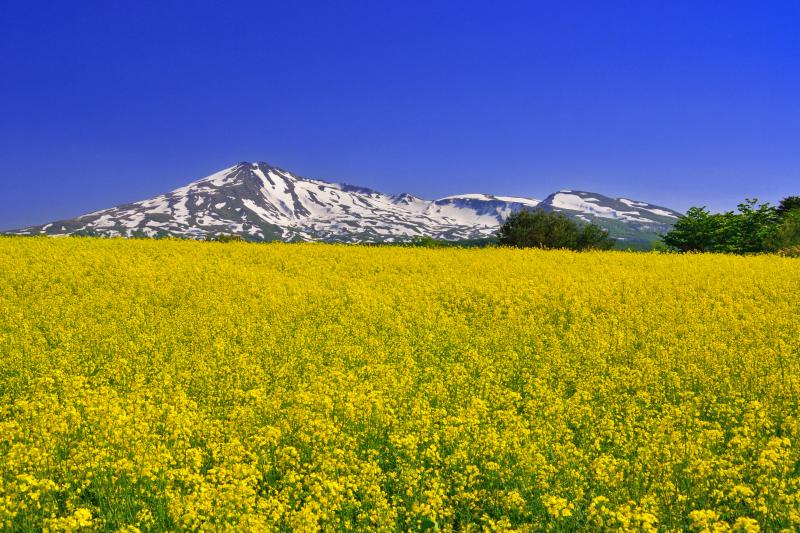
[(167, 385)]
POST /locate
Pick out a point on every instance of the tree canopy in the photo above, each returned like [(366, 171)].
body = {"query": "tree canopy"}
[(540, 229), (753, 228), (788, 204)]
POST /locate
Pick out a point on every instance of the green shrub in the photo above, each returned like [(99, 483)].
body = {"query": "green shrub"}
[(541, 229)]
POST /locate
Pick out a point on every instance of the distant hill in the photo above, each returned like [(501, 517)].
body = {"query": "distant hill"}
[(261, 202), (627, 220)]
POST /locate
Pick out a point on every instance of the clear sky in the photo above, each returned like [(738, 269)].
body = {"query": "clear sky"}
[(676, 103)]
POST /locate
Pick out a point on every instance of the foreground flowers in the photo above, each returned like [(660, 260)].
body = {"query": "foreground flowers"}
[(150, 385)]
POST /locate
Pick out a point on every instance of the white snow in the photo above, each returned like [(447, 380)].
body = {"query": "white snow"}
[(278, 193), (469, 196), (632, 203), (643, 206), (258, 210), (180, 212), (519, 200), (573, 202), (105, 221), (451, 214), (411, 203), (222, 177), (134, 220), (660, 212), (157, 205)]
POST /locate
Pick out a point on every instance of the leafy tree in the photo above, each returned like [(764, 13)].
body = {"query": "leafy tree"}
[(592, 236), (224, 237), (426, 241), (790, 203), (541, 229), (787, 234), (697, 231), (751, 229)]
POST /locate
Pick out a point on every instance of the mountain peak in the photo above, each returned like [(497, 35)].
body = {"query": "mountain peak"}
[(623, 218), (260, 201)]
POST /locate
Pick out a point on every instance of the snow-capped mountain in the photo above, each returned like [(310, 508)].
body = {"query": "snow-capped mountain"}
[(623, 218), (261, 202)]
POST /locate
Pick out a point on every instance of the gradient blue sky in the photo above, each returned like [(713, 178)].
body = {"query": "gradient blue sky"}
[(677, 103)]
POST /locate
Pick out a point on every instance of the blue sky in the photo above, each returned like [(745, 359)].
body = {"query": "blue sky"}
[(677, 103)]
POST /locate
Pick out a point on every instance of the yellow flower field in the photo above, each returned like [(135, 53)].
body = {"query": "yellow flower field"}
[(168, 385)]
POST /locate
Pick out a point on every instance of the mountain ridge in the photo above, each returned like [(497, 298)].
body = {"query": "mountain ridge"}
[(262, 202)]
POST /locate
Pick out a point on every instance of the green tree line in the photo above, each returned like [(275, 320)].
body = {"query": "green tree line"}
[(752, 228)]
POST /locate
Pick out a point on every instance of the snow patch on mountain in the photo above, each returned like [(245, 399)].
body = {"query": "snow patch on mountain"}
[(590, 205)]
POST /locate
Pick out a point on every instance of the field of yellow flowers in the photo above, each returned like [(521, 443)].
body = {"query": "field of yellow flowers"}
[(163, 385)]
